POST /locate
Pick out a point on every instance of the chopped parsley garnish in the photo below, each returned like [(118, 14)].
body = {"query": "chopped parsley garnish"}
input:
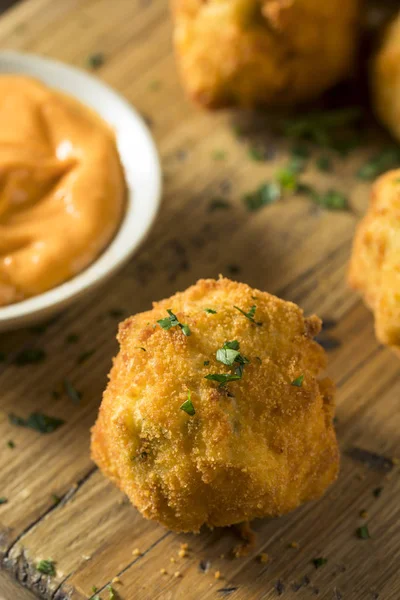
[(363, 532), (47, 567), (287, 176), (379, 163), (210, 311), (319, 562), (321, 127), (29, 356), (187, 406), (11, 444), (229, 354), (298, 382), (206, 363), (223, 378), (37, 421), (377, 492), (249, 315), (256, 154), (96, 60), (56, 499), (71, 391), (218, 155), (172, 321), (84, 356), (116, 313), (300, 151), (218, 203), (324, 164), (3, 500), (94, 589), (111, 593), (332, 199), (266, 194)]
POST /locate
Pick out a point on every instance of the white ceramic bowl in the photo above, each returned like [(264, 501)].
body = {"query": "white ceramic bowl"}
[(142, 173)]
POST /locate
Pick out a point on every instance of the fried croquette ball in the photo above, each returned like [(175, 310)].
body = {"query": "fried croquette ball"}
[(385, 79), (375, 262), (263, 52), (214, 416)]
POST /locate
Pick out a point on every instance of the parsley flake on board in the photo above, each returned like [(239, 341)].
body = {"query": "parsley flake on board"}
[(3, 500), (37, 421), (172, 321), (47, 567), (319, 562), (320, 127), (363, 532), (218, 203), (377, 492), (267, 193), (249, 315), (11, 444), (298, 382), (256, 154), (111, 593), (96, 60), (71, 391), (379, 163), (210, 311), (29, 356), (324, 164), (187, 406), (332, 199)]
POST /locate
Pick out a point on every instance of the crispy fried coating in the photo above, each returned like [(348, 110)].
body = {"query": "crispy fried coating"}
[(385, 79), (255, 447), (375, 262), (263, 52)]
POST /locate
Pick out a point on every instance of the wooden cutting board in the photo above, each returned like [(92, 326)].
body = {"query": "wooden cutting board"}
[(292, 248)]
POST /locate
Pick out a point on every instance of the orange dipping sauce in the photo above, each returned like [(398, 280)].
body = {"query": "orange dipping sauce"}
[(62, 187)]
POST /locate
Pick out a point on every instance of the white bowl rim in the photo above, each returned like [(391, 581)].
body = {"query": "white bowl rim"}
[(124, 243)]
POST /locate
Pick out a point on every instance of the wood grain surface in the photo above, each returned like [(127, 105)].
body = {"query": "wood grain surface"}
[(293, 249)]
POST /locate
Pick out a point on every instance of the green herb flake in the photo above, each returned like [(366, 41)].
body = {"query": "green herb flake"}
[(300, 151), (72, 338), (172, 321), (71, 391), (11, 444), (3, 500), (256, 154), (37, 421), (210, 311), (377, 492), (324, 164), (249, 315), (223, 378), (218, 203), (96, 60), (94, 589), (218, 155), (84, 356), (206, 363), (187, 406), (298, 382), (385, 160), (111, 593), (29, 356), (267, 193), (47, 567), (332, 199), (321, 126), (55, 499), (319, 562), (363, 532), (229, 355)]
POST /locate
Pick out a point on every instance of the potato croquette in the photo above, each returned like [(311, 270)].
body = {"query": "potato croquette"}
[(375, 262), (263, 52), (214, 413), (385, 79)]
